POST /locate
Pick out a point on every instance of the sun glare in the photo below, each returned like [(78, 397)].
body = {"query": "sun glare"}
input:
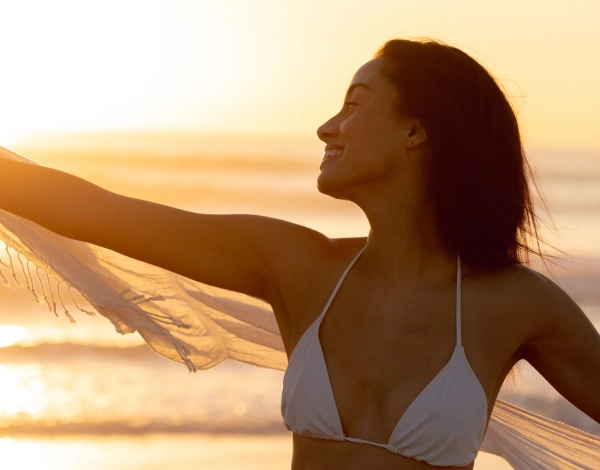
[(22, 390), (10, 334)]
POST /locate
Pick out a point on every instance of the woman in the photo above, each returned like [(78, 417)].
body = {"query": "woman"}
[(399, 342)]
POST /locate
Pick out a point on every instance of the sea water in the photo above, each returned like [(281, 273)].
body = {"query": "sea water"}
[(82, 396)]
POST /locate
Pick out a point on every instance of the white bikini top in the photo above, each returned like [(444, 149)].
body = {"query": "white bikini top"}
[(443, 426)]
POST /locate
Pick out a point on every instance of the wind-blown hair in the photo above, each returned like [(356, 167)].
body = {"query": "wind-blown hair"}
[(478, 174)]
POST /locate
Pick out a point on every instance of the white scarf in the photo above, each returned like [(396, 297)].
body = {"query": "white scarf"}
[(201, 326)]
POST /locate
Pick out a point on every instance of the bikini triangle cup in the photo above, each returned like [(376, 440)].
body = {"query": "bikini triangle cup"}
[(443, 426)]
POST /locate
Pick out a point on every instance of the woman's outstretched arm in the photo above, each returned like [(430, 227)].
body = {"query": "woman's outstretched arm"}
[(244, 253)]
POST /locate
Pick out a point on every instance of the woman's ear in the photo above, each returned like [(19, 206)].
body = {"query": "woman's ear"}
[(415, 134)]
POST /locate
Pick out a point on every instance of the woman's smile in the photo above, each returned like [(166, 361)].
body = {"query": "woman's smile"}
[(335, 152), (331, 152)]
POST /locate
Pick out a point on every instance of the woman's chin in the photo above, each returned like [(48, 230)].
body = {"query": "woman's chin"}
[(329, 185)]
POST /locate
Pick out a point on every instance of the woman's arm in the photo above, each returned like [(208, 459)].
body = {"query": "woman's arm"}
[(244, 253), (565, 348)]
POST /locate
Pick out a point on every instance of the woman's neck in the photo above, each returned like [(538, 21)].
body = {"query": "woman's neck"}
[(404, 243)]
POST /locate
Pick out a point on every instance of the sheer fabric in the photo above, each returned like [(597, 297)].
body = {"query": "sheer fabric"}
[(201, 326)]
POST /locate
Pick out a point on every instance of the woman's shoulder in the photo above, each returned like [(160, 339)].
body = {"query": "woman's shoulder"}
[(307, 267), (516, 277), (539, 289), (515, 305), (316, 260), (539, 304)]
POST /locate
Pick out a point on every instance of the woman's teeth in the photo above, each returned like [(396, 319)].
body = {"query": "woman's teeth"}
[(332, 153)]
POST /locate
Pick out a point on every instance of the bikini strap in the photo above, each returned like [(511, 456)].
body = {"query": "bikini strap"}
[(458, 305), (340, 282)]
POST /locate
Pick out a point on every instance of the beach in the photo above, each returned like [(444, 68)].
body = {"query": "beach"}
[(82, 396)]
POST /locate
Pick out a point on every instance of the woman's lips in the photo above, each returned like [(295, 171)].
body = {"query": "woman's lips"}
[(335, 152), (330, 155)]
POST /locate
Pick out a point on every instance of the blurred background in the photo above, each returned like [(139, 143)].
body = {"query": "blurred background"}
[(213, 107)]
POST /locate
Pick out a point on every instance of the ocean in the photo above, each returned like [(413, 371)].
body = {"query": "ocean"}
[(82, 396)]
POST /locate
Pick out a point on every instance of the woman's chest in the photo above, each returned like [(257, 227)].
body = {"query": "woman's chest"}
[(382, 348)]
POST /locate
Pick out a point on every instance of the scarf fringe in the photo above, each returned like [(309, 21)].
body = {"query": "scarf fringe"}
[(123, 300)]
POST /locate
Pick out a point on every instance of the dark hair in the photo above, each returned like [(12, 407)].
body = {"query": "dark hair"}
[(478, 174)]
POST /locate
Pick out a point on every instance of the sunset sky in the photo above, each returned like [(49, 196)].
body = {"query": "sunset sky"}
[(273, 67)]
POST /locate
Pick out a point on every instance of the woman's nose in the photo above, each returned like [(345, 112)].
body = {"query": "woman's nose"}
[(329, 129)]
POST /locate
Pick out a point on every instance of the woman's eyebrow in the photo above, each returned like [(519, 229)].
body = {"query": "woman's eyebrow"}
[(354, 86)]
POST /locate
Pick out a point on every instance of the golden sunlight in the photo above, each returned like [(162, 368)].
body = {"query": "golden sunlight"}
[(116, 64), (22, 390), (10, 334), (272, 67)]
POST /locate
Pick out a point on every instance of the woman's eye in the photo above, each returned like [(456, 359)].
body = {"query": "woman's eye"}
[(350, 104)]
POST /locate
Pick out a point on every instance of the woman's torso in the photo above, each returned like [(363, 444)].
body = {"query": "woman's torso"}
[(383, 343)]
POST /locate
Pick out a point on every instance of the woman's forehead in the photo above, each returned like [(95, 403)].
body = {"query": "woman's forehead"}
[(369, 71), (370, 76)]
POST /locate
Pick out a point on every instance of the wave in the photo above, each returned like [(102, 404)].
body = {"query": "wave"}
[(124, 427), (75, 351), (559, 410)]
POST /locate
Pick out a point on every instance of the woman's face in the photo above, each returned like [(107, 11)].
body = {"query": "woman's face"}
[(366, 139)]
